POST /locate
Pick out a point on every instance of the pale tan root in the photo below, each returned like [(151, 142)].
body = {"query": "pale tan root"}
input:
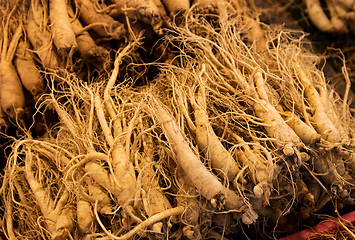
[(320, 120), (12, 96), (85, 217), (275, 126), (63, 35), (204, 181), (255, 34), (161, 9), (186, 197), (145, 224), (55, 155), (144, 10), (318, 17), (329, 104), (125, 174), (96, 171), (175, 7), (97, 194), (40, 39), (65, 223), (336, 19), (323, 165), (261, 171), (123, 169), (307, 133), (209, 143), (343, 13), (41, 196), (9, 221), (101, 23), (29, 74), (87, 47), (154, 200), (211, 6)]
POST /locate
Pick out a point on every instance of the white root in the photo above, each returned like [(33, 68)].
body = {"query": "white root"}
[(320, 120), (260, 171), (208, 141), (307, 133), (275, 126), (204, 181)]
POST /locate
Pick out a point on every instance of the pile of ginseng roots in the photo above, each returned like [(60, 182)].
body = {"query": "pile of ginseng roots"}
[(239, 129)]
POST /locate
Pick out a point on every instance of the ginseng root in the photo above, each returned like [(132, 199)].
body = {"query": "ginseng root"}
[(64, 38)]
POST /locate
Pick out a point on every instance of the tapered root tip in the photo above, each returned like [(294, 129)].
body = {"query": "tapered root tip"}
[(288, 150), (157, 228), (249, 217), (258, 191), (106, 210), (214, 202), (305, 157), (188, 232)]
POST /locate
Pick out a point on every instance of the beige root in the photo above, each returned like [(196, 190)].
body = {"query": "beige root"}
[(86, 45), (64, 38), (101, 23), (40, 37), (318, 17), (261, 171), (144, 10), (154, 200), (307, 133), (143, 225), (275, 125), (85, 217), (205, 182), (65, 223), (29, 74), (175, 7), (12, 97), (208, 141)]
